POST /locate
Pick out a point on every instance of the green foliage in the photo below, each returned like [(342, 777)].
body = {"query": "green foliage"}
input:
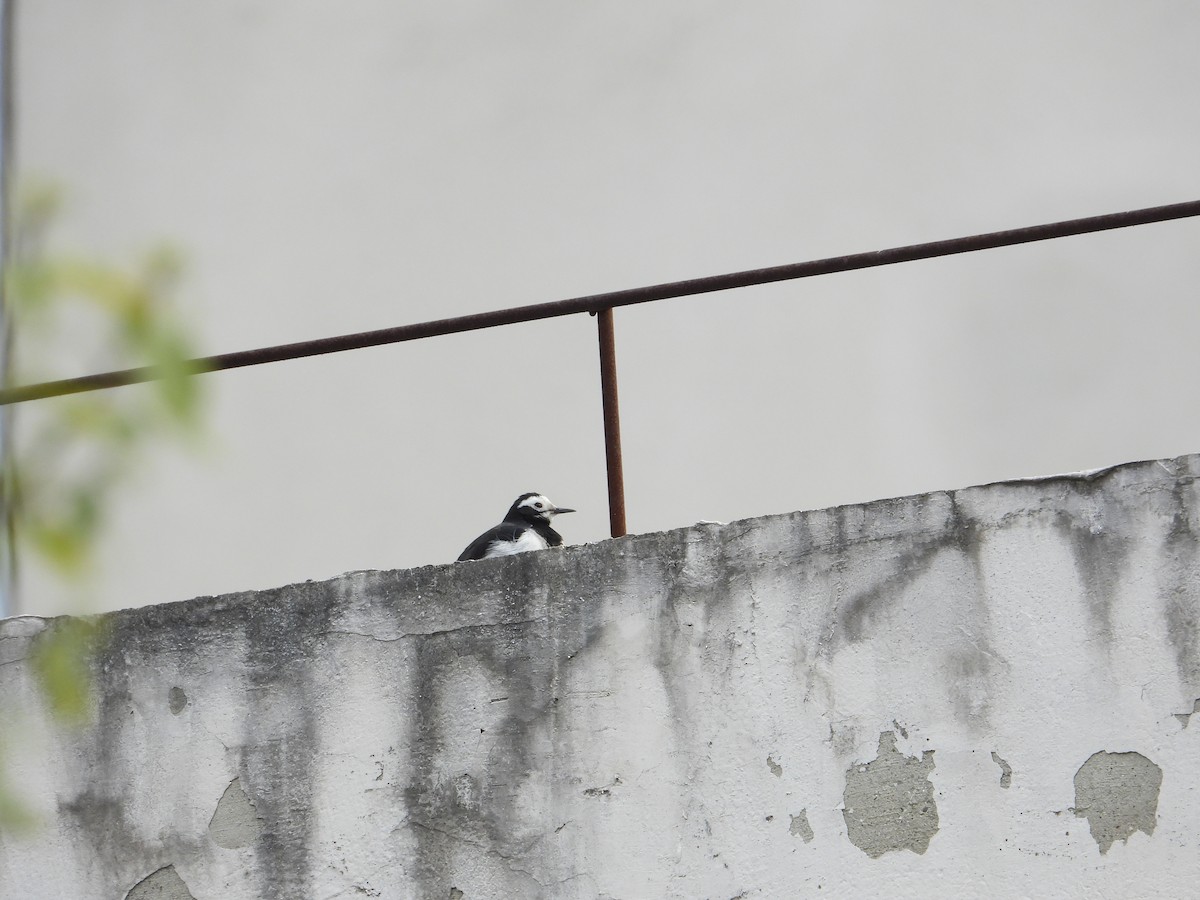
[(14, 817), (61, 656), (74, 452)]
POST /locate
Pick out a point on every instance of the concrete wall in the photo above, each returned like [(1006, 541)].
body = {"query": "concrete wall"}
[(985, 692)]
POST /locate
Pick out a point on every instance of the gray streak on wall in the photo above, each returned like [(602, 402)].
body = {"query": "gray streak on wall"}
[(1180, 576), (642, 717)]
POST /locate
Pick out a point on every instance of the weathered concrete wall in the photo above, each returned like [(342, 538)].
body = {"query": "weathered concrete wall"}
[(986, 692)]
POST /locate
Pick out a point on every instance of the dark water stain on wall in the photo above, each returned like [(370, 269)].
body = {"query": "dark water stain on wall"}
[(107, 777), (1100, 547), (281, 630), (126, 651), (700, 605), (484, 809), (1179, 581), (950, 541), (907, 558)]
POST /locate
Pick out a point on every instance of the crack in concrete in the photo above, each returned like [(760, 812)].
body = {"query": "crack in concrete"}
[(364, 884), (209, 732)]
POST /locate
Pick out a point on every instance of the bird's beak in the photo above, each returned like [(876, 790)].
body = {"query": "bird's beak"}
[(559, 510)]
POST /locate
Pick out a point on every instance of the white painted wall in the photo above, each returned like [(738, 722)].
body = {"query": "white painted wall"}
[(809, 705)]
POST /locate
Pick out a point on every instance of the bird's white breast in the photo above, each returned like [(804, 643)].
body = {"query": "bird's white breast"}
[(528, 540)]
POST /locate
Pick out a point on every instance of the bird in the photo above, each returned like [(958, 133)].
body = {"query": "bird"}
[(526, 526)]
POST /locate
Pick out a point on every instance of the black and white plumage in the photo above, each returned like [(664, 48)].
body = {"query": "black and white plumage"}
[(525, 527)]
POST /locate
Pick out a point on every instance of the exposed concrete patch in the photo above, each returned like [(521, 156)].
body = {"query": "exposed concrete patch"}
[(888, 803), (176, 700), (165, 884), (1118, 794), (1005, 769), (776, 768), (800, 827), (235, 823), (1186, 718)]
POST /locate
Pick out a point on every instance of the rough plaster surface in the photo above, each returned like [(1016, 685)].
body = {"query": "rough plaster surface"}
[(642, 718)]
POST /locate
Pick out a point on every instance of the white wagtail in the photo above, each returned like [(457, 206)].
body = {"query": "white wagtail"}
[(525, 527)]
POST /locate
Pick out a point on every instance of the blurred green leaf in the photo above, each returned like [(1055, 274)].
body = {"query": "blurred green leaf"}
[(74, 453), (62, 657), (14, 815), (60, 544), (78, 450)]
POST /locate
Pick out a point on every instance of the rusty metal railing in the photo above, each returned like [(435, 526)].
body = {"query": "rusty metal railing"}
[(602, 305)]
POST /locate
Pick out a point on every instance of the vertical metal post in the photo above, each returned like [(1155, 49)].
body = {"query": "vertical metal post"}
[(8, 550), (612, 422)]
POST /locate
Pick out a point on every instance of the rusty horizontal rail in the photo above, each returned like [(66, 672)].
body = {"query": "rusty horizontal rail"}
[(594, 303)]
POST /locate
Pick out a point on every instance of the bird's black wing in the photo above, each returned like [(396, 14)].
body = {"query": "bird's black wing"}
[(505, 531), (553, 538)]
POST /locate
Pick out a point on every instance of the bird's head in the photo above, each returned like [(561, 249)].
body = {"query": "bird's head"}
[(534, 507)]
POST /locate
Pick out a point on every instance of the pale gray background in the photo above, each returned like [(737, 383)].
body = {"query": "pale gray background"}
[(337, 167)]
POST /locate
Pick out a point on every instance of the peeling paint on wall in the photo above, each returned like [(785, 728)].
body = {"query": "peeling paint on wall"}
[(800, 827), (1186, 718), (234, 823), (1118, 794), (1005, 769), (888, 803), (165, 884)]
